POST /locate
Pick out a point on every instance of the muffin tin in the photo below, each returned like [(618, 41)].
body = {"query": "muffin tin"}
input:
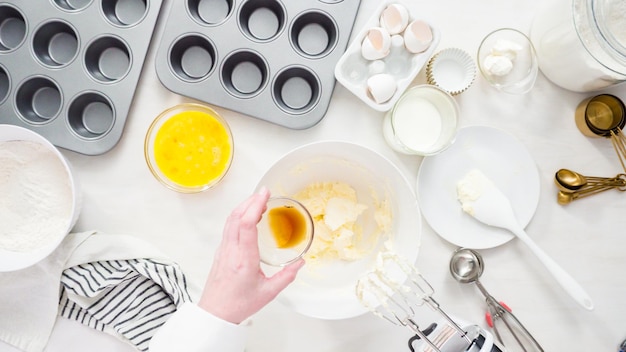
[(268, 59), (69, 68)]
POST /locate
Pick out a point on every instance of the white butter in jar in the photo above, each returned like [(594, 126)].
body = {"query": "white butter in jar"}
[(422, 122), (502, 57)]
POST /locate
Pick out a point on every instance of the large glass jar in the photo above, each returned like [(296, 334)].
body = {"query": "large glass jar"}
[(581, 44)]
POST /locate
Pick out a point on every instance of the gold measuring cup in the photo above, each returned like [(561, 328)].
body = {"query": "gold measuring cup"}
[(604, 116)]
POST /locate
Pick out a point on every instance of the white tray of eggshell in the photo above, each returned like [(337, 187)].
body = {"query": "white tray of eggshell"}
[(386, 55)]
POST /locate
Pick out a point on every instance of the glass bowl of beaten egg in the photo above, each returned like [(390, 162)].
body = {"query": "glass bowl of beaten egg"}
[(189, 148)]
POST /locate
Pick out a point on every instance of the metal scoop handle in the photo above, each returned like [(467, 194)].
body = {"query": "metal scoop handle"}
[(509, 331)]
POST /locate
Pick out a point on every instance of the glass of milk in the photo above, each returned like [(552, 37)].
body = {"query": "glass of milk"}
[(424, 121)]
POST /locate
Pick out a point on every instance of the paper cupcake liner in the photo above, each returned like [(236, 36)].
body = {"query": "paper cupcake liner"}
[(452, 70)]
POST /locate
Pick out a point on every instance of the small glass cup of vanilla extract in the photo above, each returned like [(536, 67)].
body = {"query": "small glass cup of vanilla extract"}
[(285, 231)]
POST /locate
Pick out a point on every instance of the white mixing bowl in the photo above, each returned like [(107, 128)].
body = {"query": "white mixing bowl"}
[(326, 289), (15, 260)]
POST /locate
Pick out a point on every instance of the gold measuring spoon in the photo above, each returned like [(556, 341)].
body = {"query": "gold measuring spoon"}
[(568, 197), (573, 185), (568, 180), (571, 181)]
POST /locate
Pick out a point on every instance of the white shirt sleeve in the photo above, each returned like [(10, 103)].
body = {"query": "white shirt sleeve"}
[(192, 329)]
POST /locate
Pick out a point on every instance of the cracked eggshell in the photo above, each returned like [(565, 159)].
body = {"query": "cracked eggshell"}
[(394, 18), (381, 87), (418, 36), (376, 44), (401, 63)]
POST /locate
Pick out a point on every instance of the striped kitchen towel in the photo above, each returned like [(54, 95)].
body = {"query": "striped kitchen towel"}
[(127, 298)]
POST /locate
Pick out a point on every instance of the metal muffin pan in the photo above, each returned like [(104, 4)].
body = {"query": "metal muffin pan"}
[(69, 68), (268, 59)]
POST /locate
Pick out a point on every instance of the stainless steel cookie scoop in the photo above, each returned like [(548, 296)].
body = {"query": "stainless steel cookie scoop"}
[(466, 266)]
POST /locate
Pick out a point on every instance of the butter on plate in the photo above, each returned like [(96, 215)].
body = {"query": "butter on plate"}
[(470, 188)]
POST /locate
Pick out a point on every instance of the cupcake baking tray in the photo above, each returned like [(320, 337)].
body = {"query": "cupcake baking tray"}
[(69, 68), (268, 59)]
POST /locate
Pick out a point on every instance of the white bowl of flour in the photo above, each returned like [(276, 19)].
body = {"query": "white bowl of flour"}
[(39, 198)]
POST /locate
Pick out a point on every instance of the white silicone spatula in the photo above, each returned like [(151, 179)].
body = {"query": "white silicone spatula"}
[(490, 206)]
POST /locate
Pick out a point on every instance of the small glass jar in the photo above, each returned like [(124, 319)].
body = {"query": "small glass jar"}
[(581, 44), (285, 231)]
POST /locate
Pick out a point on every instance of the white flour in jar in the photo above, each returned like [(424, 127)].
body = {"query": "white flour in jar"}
[(562, 56), (35, 196)]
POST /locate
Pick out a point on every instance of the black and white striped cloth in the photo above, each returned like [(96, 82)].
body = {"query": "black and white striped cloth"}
[(132, 298)]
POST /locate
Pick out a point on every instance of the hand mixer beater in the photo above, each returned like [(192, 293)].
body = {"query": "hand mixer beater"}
[(395, 290)]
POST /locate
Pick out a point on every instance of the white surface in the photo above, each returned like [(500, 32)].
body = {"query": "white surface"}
[(498, 155), (586, 237), (325, 288)]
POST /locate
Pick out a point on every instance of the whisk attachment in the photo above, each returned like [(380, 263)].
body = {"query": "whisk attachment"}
[(394, 290)]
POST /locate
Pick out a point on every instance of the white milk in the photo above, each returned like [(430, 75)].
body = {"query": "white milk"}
[(422, 122), (418, 124)]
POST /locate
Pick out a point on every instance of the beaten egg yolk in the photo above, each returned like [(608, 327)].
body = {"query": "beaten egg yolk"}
[(192, 148)]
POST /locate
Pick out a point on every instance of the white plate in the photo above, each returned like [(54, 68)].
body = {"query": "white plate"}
[(503, 159), (326, 289)]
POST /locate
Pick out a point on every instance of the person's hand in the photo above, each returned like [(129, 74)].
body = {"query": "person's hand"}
[(236, 286)]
